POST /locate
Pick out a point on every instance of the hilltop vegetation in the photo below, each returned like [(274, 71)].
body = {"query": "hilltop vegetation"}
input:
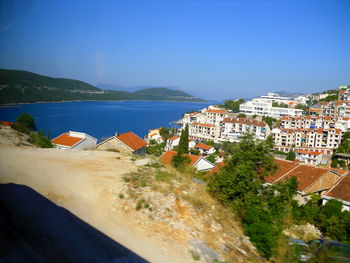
[(18, 86)]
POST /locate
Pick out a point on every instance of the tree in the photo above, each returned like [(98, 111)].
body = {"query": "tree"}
[(290, 156), (24, 123), (269, 120), (183, 143), (279, 105), (180, 160), (27, 120), (40, 140), (241, 115), (164, 132), (302, 107), (241, 176), (233, 105)]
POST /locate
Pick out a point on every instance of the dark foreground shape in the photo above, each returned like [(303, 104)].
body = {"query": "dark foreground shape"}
[(34, 229)]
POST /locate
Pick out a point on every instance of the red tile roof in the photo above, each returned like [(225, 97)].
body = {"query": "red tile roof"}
[(203, 146), (66, 140), (132, 140), (216, 111), (203, 124), (173, 138), (245, 121), (341, 190), (7, 123), (283, 167), (168, 156), (306, 175)]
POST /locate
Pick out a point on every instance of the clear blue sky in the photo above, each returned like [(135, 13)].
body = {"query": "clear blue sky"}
[(214, 49)]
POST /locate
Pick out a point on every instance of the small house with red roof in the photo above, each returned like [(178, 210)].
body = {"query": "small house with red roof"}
[(127, 142), (340, 191), (198, 162), (204, 149), (154, 134), (74, 140)]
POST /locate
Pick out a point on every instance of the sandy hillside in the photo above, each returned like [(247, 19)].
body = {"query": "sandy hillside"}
[(87, 183)]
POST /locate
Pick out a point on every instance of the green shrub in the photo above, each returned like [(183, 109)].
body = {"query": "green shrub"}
[(290, 156), (26, 121), (139, 204), (40, 140), (195, 255), (211, 158)]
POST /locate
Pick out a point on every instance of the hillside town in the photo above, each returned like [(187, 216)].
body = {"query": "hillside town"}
[(307, 133), (310, 128), (309, 137)]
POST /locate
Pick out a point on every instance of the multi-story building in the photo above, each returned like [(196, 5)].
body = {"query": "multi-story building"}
[(344, 93), (204, 131), (232, 129), (263, 107), (214, 116), (312, 138), (314, 122)]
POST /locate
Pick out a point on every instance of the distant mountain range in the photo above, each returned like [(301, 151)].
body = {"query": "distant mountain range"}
[(289, 94), (18, 86)]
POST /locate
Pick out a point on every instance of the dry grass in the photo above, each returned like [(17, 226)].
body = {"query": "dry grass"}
[(209, 211)]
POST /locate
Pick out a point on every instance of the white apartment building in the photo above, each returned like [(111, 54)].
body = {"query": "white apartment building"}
[(262, 107), (204, 131), (275, 97), (214, 116), (315, 122), (232, 129), (312, 138)]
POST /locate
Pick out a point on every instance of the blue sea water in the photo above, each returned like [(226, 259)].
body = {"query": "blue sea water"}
[(101, 119)]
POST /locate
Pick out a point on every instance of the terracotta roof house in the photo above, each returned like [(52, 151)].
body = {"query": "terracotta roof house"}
[(74, 140), (154, 134), (311, 179), (204, 148), (201, 164), (127, 142), (341, 192)]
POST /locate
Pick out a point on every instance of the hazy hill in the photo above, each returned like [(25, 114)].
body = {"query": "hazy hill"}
[(289, 94), (18, 86)]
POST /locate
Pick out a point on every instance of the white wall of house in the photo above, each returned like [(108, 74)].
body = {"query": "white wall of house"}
[(170, 144), (86, 143), (262, 107), (309, 158)]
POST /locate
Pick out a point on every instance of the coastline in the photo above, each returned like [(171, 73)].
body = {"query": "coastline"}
[(6, 105)]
